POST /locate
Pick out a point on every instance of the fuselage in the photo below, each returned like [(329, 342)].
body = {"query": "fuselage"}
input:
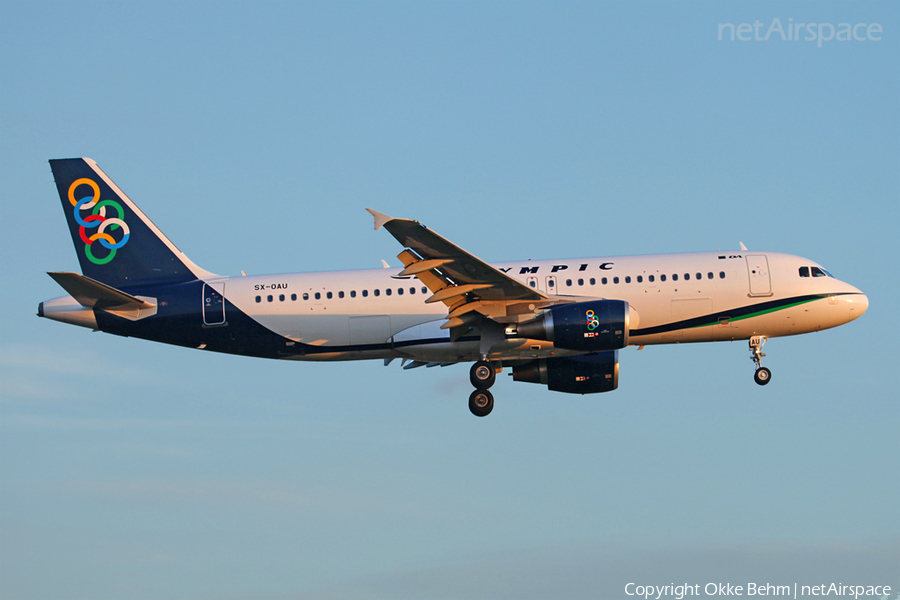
[(366, 314)]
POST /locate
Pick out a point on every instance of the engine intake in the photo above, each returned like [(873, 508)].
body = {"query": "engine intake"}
[(590, 326), (588, 374)]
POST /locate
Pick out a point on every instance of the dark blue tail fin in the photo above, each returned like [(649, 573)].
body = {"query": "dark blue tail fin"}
[(115, 242)]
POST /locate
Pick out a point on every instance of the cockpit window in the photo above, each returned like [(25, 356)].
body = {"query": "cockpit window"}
[(817, 272), (804, 271)]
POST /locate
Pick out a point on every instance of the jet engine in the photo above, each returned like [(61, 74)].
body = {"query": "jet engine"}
[(587, 374), (589, 326)]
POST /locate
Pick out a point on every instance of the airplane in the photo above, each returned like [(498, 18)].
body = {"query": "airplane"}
[(559, 323)]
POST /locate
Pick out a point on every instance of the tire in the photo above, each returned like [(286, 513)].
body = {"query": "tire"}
[(482, 375), (481, 403), (762, 376)]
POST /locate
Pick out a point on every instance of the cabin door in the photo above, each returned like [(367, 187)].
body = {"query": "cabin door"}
[(213, 303), (758, 271)]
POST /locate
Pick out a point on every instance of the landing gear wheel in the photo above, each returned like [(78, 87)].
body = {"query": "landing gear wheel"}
[(482, 375), (481, 403), (762, 376)]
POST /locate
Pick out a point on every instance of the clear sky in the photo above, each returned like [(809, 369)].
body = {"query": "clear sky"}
[(255, 134)]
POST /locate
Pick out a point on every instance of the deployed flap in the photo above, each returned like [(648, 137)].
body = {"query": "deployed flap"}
[(93, 294), (454, 263)]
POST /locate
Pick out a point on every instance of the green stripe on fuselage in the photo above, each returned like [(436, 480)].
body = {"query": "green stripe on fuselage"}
[(756, 314)]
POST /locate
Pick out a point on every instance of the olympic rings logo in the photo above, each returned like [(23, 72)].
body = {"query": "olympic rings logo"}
[(592, 321), (98, 219)]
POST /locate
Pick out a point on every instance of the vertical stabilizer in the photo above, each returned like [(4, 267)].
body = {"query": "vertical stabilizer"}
[(116, 243)]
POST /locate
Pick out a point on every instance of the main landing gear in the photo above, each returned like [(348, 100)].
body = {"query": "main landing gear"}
[(482, 375), (762, 375)]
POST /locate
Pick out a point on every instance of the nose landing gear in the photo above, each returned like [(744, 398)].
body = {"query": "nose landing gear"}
[(762, 375), (482, 375)]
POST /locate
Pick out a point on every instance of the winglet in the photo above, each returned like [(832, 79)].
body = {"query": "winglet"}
[(743, 247), (380, 218)]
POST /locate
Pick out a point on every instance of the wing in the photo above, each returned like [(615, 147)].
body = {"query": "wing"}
[(468, 286)]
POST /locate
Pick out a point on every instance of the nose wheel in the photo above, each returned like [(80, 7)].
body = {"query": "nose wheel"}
[(762, 375)]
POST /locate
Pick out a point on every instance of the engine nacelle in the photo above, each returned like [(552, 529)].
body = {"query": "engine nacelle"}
[(590, 326), (588, 374)]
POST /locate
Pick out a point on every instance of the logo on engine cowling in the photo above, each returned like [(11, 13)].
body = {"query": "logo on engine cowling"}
[(592, 321)]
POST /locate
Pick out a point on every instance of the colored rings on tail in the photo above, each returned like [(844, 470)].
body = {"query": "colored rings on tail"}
[(112, 232)]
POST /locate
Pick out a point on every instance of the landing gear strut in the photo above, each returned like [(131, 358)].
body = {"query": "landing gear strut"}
[(762, 375)]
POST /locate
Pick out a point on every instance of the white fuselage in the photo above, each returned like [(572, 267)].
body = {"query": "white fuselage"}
[(713, 295)]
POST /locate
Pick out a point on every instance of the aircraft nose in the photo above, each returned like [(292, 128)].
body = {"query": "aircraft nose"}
[(857, 304)]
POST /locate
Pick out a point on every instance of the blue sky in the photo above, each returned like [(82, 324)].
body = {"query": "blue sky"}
[(255, 134)]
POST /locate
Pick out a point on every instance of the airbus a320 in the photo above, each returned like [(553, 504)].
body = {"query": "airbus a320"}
[(558, 323)]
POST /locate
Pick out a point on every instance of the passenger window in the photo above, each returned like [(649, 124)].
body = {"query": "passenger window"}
[(377, 292), (340, 294), (259, 298), (603, 281), (399, 291), (424, 290), (687, 276), (662, 277), (721, 274), (628, 279), (652, 278), (281, 298), (568, 283), (293, 297), (365, 293), (318, 296), (269, 298), (581, 282), (532, 283), (593, 281), (615, 280), (353, 293), (328, 295), (387, 292), (412, 290), (699, 276), (804, 271), (640, 279), (817, 272), (709, 275), (674, 276), (305, 296)]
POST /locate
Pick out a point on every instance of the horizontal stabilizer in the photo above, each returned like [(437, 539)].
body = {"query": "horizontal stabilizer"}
[(93, 294)]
